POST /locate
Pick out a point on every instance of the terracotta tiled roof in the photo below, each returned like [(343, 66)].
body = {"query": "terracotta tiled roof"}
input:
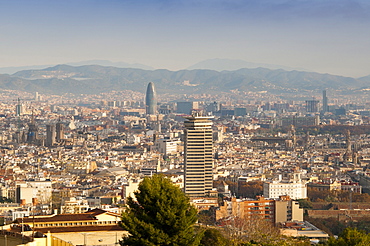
[(58, 217), (79, 229), (89, 215)]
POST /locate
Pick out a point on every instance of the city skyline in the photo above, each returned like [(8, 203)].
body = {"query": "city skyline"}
[(322, 36), (89, 153)]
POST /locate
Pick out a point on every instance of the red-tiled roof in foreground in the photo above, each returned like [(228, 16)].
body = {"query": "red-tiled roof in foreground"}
[(89, 215), (79, 229)]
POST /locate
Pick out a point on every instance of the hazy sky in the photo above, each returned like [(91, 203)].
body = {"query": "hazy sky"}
[(327, 36)]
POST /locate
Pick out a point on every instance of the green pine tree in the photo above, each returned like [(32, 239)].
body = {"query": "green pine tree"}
[(161, 215), (351, 237)]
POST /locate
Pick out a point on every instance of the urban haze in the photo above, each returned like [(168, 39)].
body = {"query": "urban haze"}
[(256, 112)]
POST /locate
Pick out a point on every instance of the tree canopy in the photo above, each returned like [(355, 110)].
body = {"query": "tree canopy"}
[(4, 199), (214, 237), (350, 237), (160, 215)]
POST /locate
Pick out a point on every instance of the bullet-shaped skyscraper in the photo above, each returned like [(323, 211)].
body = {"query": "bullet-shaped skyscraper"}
[(151, 99)]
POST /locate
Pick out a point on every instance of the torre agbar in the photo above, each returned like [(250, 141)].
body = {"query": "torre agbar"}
[(151, 99), (198, 155)]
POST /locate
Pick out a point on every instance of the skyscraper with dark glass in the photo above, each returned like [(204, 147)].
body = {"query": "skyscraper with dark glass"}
[(151, 99), (50, 135), (324, 102), (312, 106)]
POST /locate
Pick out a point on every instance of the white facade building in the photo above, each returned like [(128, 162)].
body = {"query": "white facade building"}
[(129, 187), (295, 190), (29, 190), (167, 146)]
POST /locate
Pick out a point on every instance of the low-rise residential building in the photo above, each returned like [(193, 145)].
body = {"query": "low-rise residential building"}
[(323, 186), (279, 210), (71, 205), (287, 210), (95, 227), (303, 229), (66, 222)]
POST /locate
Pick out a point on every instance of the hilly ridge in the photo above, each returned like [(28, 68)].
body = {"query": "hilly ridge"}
[(219, 64), (92, 79)]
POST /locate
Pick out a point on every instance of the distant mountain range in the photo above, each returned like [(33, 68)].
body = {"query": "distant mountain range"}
[(11, 70), (91, 79), (235, 64), (111, 64)]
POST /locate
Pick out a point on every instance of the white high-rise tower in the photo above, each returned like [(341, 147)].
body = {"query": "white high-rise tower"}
[(198, 156)]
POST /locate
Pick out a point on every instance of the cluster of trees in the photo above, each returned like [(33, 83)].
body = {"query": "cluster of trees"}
[(243, 189), (5, 200), (250, 189), (257, 231), (327, 200), (350, 237), (233, 186), (335, 196), (334, 227), (161, 214), (213, 236)]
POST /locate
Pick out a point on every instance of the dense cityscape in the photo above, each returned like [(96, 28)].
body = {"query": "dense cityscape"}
[(70, 163), (184, 123)]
